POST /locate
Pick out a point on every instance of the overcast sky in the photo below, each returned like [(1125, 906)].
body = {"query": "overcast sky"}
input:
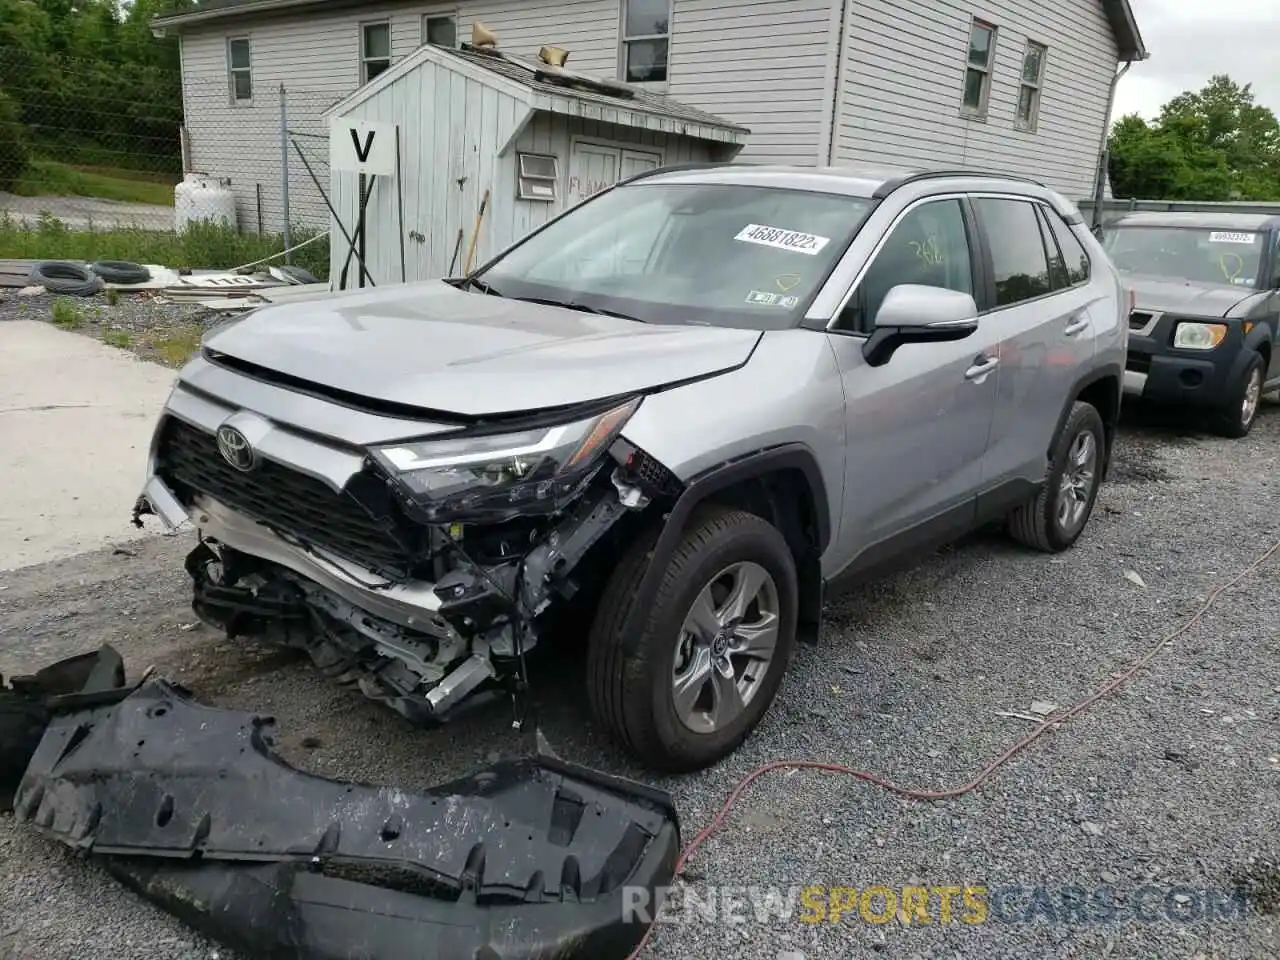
[(1191, 40)]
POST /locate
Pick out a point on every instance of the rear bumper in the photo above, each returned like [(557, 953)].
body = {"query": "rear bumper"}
[(188, 804)]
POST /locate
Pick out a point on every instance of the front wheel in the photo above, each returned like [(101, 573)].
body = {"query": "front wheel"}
[(1054, 520), (1236, 417), (712, 649)]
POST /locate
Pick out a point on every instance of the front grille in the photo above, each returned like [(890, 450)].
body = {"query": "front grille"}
[(1138, 362), (295, 504)]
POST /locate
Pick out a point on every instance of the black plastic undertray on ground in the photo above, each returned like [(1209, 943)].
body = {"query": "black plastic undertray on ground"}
[(188, 804)]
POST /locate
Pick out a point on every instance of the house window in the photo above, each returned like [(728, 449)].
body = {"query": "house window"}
[(240, 69), (646, 31), (375, 50), (1029, 90), (440, 30), (538, 176), (977, 73)]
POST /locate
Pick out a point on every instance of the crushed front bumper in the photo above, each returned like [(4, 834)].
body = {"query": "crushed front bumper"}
[(525, 859)]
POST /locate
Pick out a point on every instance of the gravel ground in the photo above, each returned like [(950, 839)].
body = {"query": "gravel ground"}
[(1174, 781), (166, 333), (85, 212)]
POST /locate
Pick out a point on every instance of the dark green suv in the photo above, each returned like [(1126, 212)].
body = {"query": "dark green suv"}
[(1206, 310)]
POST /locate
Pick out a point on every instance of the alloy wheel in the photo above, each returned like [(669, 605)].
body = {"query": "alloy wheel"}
[(726, 644), (1078, 480), (1252, 396)]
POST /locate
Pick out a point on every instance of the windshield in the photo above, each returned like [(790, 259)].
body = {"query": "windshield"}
[(718, 254), (1191, 254)]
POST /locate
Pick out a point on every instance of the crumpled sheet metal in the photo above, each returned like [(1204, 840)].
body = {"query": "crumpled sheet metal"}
[(523, 859)]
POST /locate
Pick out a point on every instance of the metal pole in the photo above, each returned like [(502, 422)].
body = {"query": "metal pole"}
[(284, 169), (332, 212), (400, 206)]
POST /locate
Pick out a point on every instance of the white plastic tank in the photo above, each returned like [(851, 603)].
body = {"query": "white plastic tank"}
[(201, 197)]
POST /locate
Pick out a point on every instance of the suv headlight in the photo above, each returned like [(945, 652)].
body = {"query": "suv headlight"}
[(1199, 336), (495, 477)]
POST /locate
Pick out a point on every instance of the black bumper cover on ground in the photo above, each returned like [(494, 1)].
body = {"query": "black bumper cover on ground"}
[(190, 806)]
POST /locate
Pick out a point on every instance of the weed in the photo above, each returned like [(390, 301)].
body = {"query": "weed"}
[(66, 314), (178, 346), (112, 296), (117, 338), (200, 246)]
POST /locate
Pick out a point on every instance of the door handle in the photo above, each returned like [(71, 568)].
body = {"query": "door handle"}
[(981, 367), (1076, 325)]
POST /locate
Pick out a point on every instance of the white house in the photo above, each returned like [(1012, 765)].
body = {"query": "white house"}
[(1008, 85)]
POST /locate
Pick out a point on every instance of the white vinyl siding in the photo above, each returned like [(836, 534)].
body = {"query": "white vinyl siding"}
[(903, 79), (758, 63)]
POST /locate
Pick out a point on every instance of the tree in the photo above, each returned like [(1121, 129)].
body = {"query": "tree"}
[(1211, 144)]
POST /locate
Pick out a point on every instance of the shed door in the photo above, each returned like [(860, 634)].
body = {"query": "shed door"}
[(593, 167)]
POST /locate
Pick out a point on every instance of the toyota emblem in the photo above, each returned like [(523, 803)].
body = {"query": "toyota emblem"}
[(235, 449)]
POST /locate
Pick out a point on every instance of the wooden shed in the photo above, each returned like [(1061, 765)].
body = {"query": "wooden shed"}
[(458, 123)]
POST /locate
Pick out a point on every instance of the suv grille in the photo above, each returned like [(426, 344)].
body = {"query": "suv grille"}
[(291, 502), (1139, 319)]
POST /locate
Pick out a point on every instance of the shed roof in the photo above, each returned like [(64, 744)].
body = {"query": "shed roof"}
[(535, 84), (1119, 14)]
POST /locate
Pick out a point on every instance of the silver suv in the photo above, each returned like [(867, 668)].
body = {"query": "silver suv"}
[(690, 408)]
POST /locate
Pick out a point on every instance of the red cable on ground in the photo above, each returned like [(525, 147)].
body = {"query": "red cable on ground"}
[(1055, 720)]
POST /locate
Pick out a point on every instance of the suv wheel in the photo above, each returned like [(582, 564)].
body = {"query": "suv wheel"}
[(1054, 520), (713, 647), (1236, 417)]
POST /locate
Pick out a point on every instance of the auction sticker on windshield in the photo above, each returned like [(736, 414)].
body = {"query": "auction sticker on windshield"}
[(780, 239), (1224, 237)]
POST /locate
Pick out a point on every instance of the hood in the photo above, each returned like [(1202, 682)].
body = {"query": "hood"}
[(433, 346), (1181, 296)]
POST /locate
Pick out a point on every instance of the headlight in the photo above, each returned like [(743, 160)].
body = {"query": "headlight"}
[(498, 476), (1199, 336)]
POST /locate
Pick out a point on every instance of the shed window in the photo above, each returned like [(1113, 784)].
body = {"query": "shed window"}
[(240, 69), (375, 50), (646, 32), (977, 72), (440, 30), (538, 175), (1029, 90)]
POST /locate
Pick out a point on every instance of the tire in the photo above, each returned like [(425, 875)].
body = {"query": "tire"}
[(120, 271), (631, 691), (1039, 524), (1234, 420), (69, 279), (22, 723)]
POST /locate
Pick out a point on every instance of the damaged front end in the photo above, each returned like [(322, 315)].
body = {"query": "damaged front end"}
[(189, 805), (421, 572)]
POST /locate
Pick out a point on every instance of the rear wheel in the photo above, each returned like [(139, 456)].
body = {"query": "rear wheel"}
[(1235, 418), (1054, 520), (712, 648)]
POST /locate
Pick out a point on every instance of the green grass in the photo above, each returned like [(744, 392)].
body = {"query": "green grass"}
[(179, 345), (203, 246), (117, 338), (49, 178), (66, 314)]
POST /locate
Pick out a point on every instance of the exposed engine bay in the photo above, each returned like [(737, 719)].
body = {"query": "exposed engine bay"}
[(441, 596)]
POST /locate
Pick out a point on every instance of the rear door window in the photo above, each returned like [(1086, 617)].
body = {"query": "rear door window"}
[(1019, 263), (1073, 252)]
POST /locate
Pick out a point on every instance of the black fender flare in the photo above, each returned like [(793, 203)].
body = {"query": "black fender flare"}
[(1084, 382), (1262, 332), (786, 456)]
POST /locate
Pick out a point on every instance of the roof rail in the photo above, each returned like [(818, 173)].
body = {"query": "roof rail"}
[(889, 186), (675, 168)]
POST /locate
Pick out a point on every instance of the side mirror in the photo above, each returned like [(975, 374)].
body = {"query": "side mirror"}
[(911, 313)]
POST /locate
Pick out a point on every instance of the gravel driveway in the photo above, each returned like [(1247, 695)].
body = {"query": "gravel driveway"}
[(1174, 781)]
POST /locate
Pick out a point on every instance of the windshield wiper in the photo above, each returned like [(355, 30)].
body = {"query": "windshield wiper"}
[(475, 282), (580, 307)]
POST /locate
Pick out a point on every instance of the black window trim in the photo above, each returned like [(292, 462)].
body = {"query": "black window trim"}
[(1048, 212), (1049, 236), (992, 306)]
